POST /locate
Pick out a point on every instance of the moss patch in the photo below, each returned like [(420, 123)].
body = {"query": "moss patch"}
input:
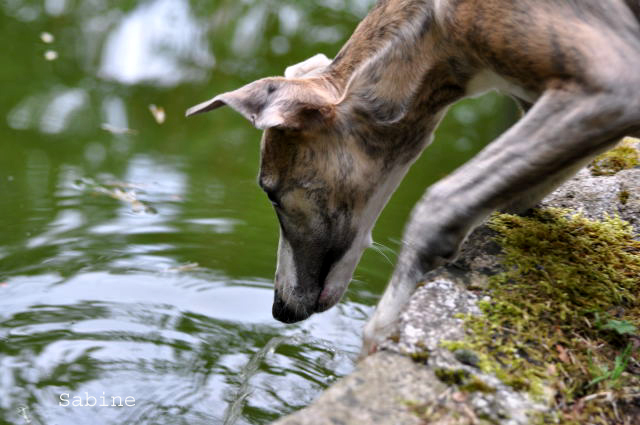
[(442, 413), (623, 196), (622, 157), (464, 380), (453, 376), (563, 318), (420, 357), (475, 385)]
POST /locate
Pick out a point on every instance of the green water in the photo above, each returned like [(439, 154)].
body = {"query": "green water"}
[(135, 257)]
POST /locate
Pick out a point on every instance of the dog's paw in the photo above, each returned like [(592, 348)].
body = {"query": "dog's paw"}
[(369, 347), (375, 333)]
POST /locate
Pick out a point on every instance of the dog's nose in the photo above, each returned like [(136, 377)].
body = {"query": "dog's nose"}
[(284, 313)]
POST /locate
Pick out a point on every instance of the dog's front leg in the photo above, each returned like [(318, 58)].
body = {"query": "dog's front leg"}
[(564, 129)]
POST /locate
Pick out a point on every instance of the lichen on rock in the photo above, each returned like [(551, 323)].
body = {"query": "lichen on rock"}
[(563, 314), (622, 157)]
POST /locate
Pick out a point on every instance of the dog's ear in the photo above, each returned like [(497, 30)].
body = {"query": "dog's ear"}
[(309, 67), (272, 103), (251, 101)]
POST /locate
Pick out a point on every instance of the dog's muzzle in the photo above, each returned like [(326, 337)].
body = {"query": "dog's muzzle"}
[(287, 314)]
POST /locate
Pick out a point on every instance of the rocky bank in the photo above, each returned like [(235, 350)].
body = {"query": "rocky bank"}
[(415, 380)]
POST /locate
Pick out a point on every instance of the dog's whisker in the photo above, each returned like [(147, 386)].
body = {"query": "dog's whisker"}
[(379, 250)]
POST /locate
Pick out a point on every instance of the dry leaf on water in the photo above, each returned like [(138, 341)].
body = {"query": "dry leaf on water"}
[(47, 37), (51, 55), (158, 113)]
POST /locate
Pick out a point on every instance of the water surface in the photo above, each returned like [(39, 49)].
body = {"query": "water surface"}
[(136, 257)]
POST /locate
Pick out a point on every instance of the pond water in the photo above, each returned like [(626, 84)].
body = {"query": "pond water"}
[(136, 253)]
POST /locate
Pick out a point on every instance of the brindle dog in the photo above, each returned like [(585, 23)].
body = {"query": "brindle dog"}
[(340, 135)]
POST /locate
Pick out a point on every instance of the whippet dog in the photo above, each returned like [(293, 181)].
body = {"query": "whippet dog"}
[(340, 135)]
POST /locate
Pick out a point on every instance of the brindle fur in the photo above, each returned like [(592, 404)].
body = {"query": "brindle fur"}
[(340, 135)]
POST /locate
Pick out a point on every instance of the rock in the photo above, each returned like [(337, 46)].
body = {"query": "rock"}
[(414, 380), (594, 196), (380, 391)]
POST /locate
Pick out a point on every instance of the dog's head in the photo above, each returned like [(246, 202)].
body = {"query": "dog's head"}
[(326, 188)]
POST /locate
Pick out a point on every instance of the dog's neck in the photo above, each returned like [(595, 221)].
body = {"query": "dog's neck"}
[(397, 74), (388, 23)]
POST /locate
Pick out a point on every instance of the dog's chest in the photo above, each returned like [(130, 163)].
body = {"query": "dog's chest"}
[(487, 80)]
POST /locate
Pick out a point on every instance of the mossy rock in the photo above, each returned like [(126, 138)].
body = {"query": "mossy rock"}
[(564, 314), (453, 376), (622, 157)]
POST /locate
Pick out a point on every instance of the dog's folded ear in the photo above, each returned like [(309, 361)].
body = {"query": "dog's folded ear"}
[(313, 65), (273, 103)]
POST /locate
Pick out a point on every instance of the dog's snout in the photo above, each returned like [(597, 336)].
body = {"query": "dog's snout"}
[(288, 314)]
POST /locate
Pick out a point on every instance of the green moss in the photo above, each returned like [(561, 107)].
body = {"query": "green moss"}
[(622, 157), (453, 376), (452, 406), (477, 385), (395, 337), (623, 197), (446, 411), (464, 380), (467, 357), (420, 357), (555, 317), (431, 413)]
